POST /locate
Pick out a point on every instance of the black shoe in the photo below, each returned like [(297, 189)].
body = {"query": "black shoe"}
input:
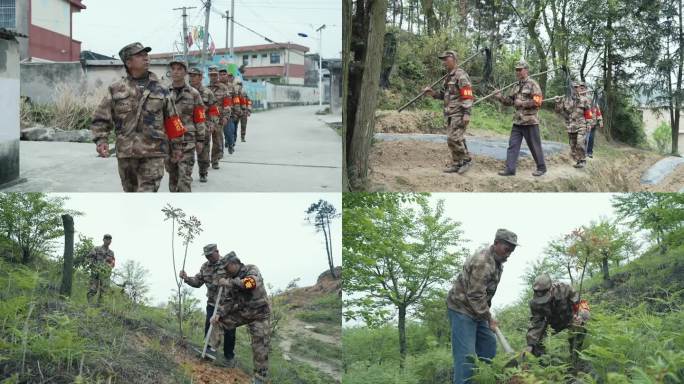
[(538, 172), (579, 164), (453, 168), (231, 150), (506, 173), (242, 139), (203, 178), (215, 166), (591, 156), (465, 167)]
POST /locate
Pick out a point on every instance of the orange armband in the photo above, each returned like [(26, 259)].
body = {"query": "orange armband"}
[(174, 127), (466, 92), (227, 102), (249, 282), (198, 115), (537, 100), (213, 111), (587, 114), (236, 100)]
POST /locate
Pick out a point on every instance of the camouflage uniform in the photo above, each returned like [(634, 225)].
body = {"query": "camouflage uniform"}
[(560, 308), (476, 285), (213, 114), (578, 121), (245, 302), (230, 132), (245, 107), (146, 124), (528, 94), (458, 100), (101, 261), (221, 92), (192, 111)]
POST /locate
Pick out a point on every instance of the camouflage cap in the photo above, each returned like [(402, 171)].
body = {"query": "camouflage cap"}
[(194, 71), (231, 257), (172, 62), (209, 249), (446, 54), (222, 69), (542, 282), (132, 49), (213, 69), (507, 236), (522, 64), (107, 236)]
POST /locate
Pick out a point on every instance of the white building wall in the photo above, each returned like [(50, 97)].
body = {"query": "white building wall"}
[(54, 15)]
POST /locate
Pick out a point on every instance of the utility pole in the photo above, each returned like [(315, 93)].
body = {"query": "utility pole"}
[(205, 43), (185, 32), (320, 66), (232, 31), (227, 17)]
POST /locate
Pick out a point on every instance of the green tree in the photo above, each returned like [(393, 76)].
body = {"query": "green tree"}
[(394, 255), (320, 214), (659, 213), (557, 252), (84, 245), (134, 277), (32, 221)]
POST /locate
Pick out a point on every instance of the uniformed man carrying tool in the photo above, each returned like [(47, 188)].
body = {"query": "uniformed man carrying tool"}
[(458, 100), (578, 121), (101, 261), (212, 123), (225, 103)]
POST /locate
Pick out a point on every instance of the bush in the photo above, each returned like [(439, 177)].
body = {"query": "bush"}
[(71, 110), (663, 138)]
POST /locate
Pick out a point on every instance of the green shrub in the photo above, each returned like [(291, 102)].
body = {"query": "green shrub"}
[(663, 138)]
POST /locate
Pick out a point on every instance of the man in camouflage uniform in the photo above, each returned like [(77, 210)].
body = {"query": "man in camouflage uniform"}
[(213, 116), (578, 121), (192, 112), (556, 304), (101, 261), (145, 122), (225, 102), (230, 130), (598, 124), (458, 100), (246, 106), (526, 97), (469, 302), (210, 273), (245, 302)]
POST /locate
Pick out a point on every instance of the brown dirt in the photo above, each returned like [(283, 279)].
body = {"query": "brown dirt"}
[(417, 166), (204, 372), (408, 122)]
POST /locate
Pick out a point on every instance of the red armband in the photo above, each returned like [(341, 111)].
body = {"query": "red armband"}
[(236, 100), (213, 111), (587, 114), (537, 100), (466, 93), (198, 115), (227, 102), (597, 112), (249, 282), (243, 101), (174, 127)]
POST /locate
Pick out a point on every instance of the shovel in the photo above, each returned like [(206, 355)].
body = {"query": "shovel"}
[(211, 325), (507, 348)]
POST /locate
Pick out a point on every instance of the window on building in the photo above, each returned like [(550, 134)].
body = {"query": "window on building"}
[(275, 57), (245, 59), (8, 14)]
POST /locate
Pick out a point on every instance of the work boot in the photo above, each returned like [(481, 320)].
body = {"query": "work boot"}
[(579, 164), (230, 363), (538, 172), (203, 178), (465, 167), (506, 172), (215, 166), (453, 168), (231, 149), (242, 139)]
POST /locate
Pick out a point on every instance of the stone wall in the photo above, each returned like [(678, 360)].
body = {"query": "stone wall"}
[(9, 110)]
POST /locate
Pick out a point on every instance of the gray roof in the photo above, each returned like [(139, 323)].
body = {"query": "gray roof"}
[(9, 34)]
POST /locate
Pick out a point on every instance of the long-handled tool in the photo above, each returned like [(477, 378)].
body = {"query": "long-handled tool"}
[(502, 339), (439, 80), (211, 325), (508, 86)]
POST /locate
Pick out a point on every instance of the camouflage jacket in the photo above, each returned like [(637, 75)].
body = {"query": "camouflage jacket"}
[(475, 286), (138, 115), (193, 114), (212, 108), (101, 254), (529, 94), (222, 94), (555, 311), (577, 113), (209, 275), (237, 92), (250, 303), (457, 93)]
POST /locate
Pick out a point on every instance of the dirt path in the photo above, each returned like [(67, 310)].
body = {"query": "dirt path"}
[(205, 372), (294, 327), (417, 166)]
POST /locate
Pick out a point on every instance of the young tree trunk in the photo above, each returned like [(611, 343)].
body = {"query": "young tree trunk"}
[(608, 82), (68, 266), (606, 276), (402, 335), (678, 97), (330, 250), (346, 60)]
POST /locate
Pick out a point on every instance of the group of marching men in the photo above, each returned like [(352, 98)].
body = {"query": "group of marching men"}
[(581, 118)]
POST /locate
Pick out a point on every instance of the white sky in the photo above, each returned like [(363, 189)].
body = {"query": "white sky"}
[(265, 229), (106, 26)]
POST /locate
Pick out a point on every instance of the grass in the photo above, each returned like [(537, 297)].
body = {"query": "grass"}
[(326, 310), (315, 349), (71, 110)]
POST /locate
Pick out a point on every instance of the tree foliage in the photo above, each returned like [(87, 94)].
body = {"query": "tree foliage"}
[(320, 214)]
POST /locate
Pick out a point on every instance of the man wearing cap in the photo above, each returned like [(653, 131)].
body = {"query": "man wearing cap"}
[(225, 104), (192, 111), (145, 121), (246, 106), (213, 115), (245, 302), (556, 304), (229, 131), (458, 100), (578, 121), (101, 261), (210, 273), (526, 97), (469, 302)]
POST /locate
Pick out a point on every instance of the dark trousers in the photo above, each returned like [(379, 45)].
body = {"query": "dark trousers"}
[(590, 141), (533, 140), (228, 337)]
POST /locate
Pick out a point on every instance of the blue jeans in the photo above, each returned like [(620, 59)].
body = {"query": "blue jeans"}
[(229, 133), (469, 338), (590, 141)]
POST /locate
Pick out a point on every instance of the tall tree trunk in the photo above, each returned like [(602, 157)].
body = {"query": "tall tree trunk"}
[(364, 89), (68, 266), (402, 335), (463, 16), (431, 24), (401, 13), (330, 251), (604, 267), (346, 67), (608, 79), (678, 98)]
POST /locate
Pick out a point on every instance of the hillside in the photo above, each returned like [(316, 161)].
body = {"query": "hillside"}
[(48, 338)]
